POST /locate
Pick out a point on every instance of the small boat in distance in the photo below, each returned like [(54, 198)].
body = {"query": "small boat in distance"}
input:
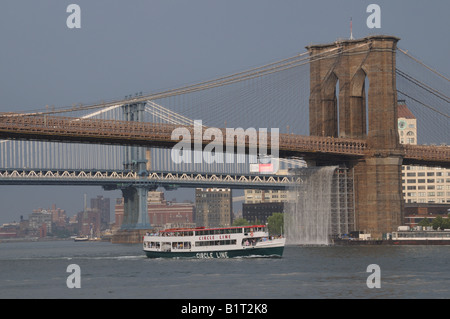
[(81, 238), (201, 242)]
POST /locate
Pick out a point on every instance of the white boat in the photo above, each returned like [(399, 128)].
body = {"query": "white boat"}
[(421, 237), (81, 238), (201, 242)]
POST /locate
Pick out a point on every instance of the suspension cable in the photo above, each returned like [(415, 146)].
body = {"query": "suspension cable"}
[(423, 86), (426, 105), (423, 64), (264, 70)]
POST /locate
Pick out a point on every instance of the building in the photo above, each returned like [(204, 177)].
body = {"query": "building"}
[(162, 213), (416, 212), (260, 204), (103, 205), (59, 217), (213, 207), (118, 213), (260, 212), (253, 196), (420, 184), (41, 222), (89, 222), (10, 230)]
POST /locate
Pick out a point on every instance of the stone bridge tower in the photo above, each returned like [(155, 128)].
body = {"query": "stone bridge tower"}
[(340, 107)]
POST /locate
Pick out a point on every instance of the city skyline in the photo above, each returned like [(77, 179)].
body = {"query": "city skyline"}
[(81, 201)]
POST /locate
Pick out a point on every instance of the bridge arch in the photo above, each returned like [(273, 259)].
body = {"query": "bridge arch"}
[(330, 106), (358, 104)]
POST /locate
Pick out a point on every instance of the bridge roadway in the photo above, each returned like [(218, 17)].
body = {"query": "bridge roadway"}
[(121, 179), (68, 129)]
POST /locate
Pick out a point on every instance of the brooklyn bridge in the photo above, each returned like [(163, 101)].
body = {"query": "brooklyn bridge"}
[(334, 105)]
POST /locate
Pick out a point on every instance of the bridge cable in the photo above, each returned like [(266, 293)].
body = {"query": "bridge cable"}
[(423, 86), (420, 62), (230, 79), (426, 105)]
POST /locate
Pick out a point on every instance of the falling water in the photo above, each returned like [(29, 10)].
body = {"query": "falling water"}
[(307, 214)]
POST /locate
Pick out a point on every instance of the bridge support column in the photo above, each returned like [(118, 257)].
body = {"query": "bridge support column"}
[(378, 202), (135, 208), (136, 221)]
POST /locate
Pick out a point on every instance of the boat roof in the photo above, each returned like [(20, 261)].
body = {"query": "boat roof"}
[(210, 228)]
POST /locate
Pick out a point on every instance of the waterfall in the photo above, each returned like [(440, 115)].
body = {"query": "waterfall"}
[(308, 211)]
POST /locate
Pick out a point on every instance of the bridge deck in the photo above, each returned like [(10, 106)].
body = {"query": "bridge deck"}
[(67, 129)]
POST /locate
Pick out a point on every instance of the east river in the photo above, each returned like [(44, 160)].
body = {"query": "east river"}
[(41, 270)]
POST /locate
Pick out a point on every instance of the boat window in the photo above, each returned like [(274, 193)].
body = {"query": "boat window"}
[(215, 242), (152, 244), (166, 246), (181, 245)]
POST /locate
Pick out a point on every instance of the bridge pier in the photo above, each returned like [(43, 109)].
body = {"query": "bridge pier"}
[(378, 193), (135, 208), (136, 222)]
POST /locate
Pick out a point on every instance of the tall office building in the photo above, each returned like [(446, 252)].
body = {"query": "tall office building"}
[(103, 205), (213, 207), (420, 184)]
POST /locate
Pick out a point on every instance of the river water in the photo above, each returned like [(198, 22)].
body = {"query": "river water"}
[(39, 270)]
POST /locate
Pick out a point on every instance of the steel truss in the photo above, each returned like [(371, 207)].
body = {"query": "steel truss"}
[(129, 178)]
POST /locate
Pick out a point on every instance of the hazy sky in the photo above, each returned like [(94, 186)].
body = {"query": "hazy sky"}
[(125, 47)]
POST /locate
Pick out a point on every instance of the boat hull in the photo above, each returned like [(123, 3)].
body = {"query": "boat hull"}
[(235, 253)]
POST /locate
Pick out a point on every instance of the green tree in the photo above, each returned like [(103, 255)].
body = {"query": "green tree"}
[(446, 223), (438, 222), (424, 222), (275, 224), (240, 222)]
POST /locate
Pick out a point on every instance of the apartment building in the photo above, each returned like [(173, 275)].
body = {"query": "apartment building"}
[(420, 184)]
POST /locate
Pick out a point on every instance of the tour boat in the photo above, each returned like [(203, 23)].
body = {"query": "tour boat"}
[(201, 242), (426, 237)]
